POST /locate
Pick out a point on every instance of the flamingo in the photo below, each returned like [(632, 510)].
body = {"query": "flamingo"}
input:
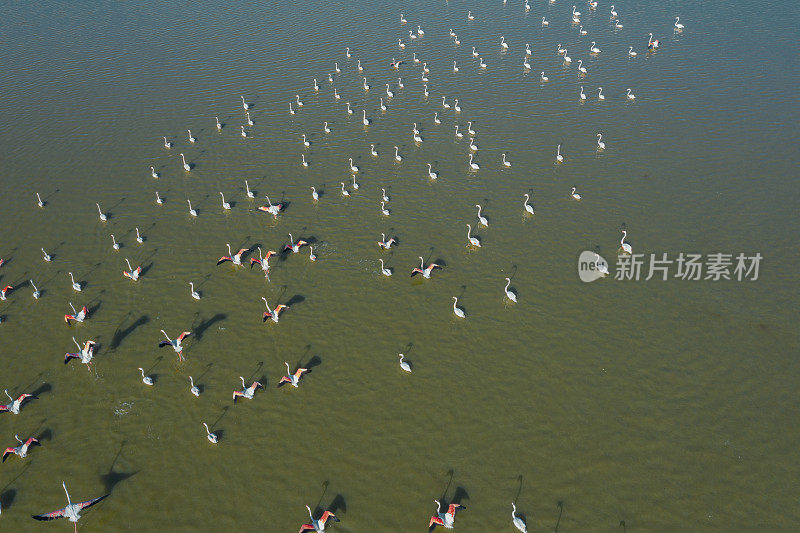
[(77, 316), (316, 85), (345, 192), (147, 380), (385, 212), (5, 291), (85, 354), (503, 43), (167, 144), (384, 243), (314, 194), (593, 49), (383, 106), (293, 378), (405, 365), (243, 133), (294, 246), (365, 121), (617, 25), (402, 19), (528, 207), (385, 271), (575, 195), (349, 111), (602, 267), (191, 210), (235, 259), (506, 163), (103, 216), (445, 519), (297, 99), (262, 261), (469, 128), (75, 285), (651, 44), (600, 95), (303, 160), (225, 205), (139, 238), (15, 405), (132, 273), (518, 522), (273, 314), (325, 127), (457, 310), (472, 240), (545, 22), (624, 245), (365, 84), (311, 255), (45, 256), (630, 95), (436, 119), (613, 13), (528, 51), (372, 151), (397, 156), (273, 210), (245, 105), (567, 59), (559, 157), (481, 218), (544, 78), (582, 95), (511, 295), (360, 68), (186, 165), (159, 200), (481, 63), (581, 68), (250, 193), (384, 197), (631, 52), (470, 16), (153, 173), (22, 450), (176, 343), (473, 166), (212, 437), (431, 174), (353, 168), (39, 201), (318, 525), (582, 31), (72, 511), (191, 139), (455, 66), (600, 144), (219, 125), (425, 271), (36, 292), (247, 392), (194, 294), (291, 109), (445, 104), (678, 25), (194, 390)]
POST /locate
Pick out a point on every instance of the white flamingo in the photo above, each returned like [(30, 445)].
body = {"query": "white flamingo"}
[(511, 295)]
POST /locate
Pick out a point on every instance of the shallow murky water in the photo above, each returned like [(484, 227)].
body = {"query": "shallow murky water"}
[(662, 405)]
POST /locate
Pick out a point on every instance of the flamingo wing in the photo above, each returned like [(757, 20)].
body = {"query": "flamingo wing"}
[(51, 515), (161, 344), (240, 252), (279, 308), (284, 379), (266, 316), (306, 527), (451, 510), (7, 452), (264, 208), (223, 259), (415, 272), (253, 261), (67, 318), (68, 356), (184, 335), (327, 514), (89, 503), (4, 408), (435, 521)]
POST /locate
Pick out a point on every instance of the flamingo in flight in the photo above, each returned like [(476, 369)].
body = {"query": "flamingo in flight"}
[(72, 511), (248, 391), (294, 246), (176, 344), (425, 271), (445, 519), (132, 273), (235, 259), (273, 210), (15, 405), (274, 314), (5, 291), (262, 261), (386, 244), (293, 378), (85, 354), (22, 449), (317, 525)]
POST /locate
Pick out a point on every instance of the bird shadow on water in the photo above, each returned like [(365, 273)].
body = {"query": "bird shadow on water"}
[(112, 477), (201, 328), (560, 505), (120, 334), (519, 490), (7, 498), (255, 372), (296, 299), (338, 503), (220, 432), (41, 389)]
